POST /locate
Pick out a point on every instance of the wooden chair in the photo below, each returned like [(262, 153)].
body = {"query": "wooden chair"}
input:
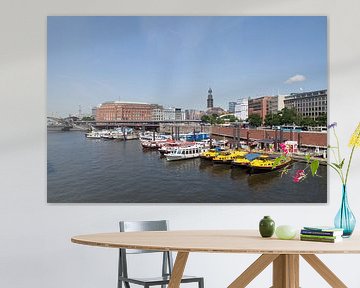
[(167, 262)]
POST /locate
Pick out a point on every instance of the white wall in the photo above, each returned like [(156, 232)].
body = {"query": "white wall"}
[(35, 248)]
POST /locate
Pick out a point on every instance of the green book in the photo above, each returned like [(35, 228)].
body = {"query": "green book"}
[(319, 236), (325, 240)]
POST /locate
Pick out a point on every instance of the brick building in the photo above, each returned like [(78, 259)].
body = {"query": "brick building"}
[(258, 106), (121, 110)]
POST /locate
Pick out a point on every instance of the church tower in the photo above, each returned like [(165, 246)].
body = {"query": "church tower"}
[(210, 100)]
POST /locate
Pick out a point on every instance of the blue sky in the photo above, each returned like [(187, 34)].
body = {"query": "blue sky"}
[(173, 61)]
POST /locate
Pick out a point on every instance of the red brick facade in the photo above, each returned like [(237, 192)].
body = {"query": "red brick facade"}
[(258, 106), (113, 111), (304, 138)]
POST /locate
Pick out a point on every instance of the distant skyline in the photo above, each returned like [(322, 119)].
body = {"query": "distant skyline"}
[(172, 61)]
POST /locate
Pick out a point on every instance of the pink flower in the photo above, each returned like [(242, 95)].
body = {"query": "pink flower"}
[(284, 148), (299, 175)]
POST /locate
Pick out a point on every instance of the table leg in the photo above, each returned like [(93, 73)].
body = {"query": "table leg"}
[(178, 269), (253, 270), (286, 271), (324, 271)]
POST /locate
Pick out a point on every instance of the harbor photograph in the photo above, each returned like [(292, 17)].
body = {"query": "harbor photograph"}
[(187, 109)]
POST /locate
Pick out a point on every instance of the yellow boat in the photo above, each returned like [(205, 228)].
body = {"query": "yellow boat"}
[(266, 165), (228, 157), (210, 154), (246, 160)]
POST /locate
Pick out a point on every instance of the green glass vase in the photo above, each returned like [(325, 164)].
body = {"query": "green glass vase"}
[(266, 227)]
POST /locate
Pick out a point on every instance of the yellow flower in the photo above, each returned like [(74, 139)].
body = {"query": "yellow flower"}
[(355, 138)]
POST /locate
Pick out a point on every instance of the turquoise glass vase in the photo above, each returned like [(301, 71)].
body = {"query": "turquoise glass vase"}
[(345, 219)]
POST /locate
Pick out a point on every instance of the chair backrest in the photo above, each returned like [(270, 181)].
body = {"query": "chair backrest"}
[(134, 226)]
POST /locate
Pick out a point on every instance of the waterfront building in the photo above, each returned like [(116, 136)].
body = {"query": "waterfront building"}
[(192, 114), (241, 109), (275, 104), (121, 110), (308, 104), (157, 112), (179, 114), (93, 111), (232, 107), (173, 114), (258, 106), (210, 100)]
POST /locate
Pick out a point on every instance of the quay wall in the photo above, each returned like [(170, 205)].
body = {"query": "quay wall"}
[(184, 128), (304, 138)]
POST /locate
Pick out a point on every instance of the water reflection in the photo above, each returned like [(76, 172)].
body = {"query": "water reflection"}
[(83, 170), (186, 165), (238, 174), (262, 180)]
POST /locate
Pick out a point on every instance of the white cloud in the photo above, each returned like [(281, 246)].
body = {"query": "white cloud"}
[(296, 78)]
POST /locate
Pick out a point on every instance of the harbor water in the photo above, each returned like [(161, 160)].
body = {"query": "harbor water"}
[(81, 170)]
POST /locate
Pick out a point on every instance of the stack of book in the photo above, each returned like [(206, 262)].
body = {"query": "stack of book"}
[(321, 234)]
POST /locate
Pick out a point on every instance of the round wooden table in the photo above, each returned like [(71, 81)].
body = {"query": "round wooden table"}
[(284, 254)]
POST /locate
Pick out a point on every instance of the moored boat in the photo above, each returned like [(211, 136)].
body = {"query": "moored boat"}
[(111, 135), (152, 140), (153, 136), (131, 136), (244, 162), (267, 165), (153, 144), (210, 154), (229, 156), (182, 153), (172, 145), (196, 136), (95, 134)]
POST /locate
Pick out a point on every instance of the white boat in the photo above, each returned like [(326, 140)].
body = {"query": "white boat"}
[(168, 147), (122, 133), (153, 136), (171, 146), (117, 136), (117, 133), (95, 134), (131, 136), (221, 143), (152, 144), (183, 153)]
